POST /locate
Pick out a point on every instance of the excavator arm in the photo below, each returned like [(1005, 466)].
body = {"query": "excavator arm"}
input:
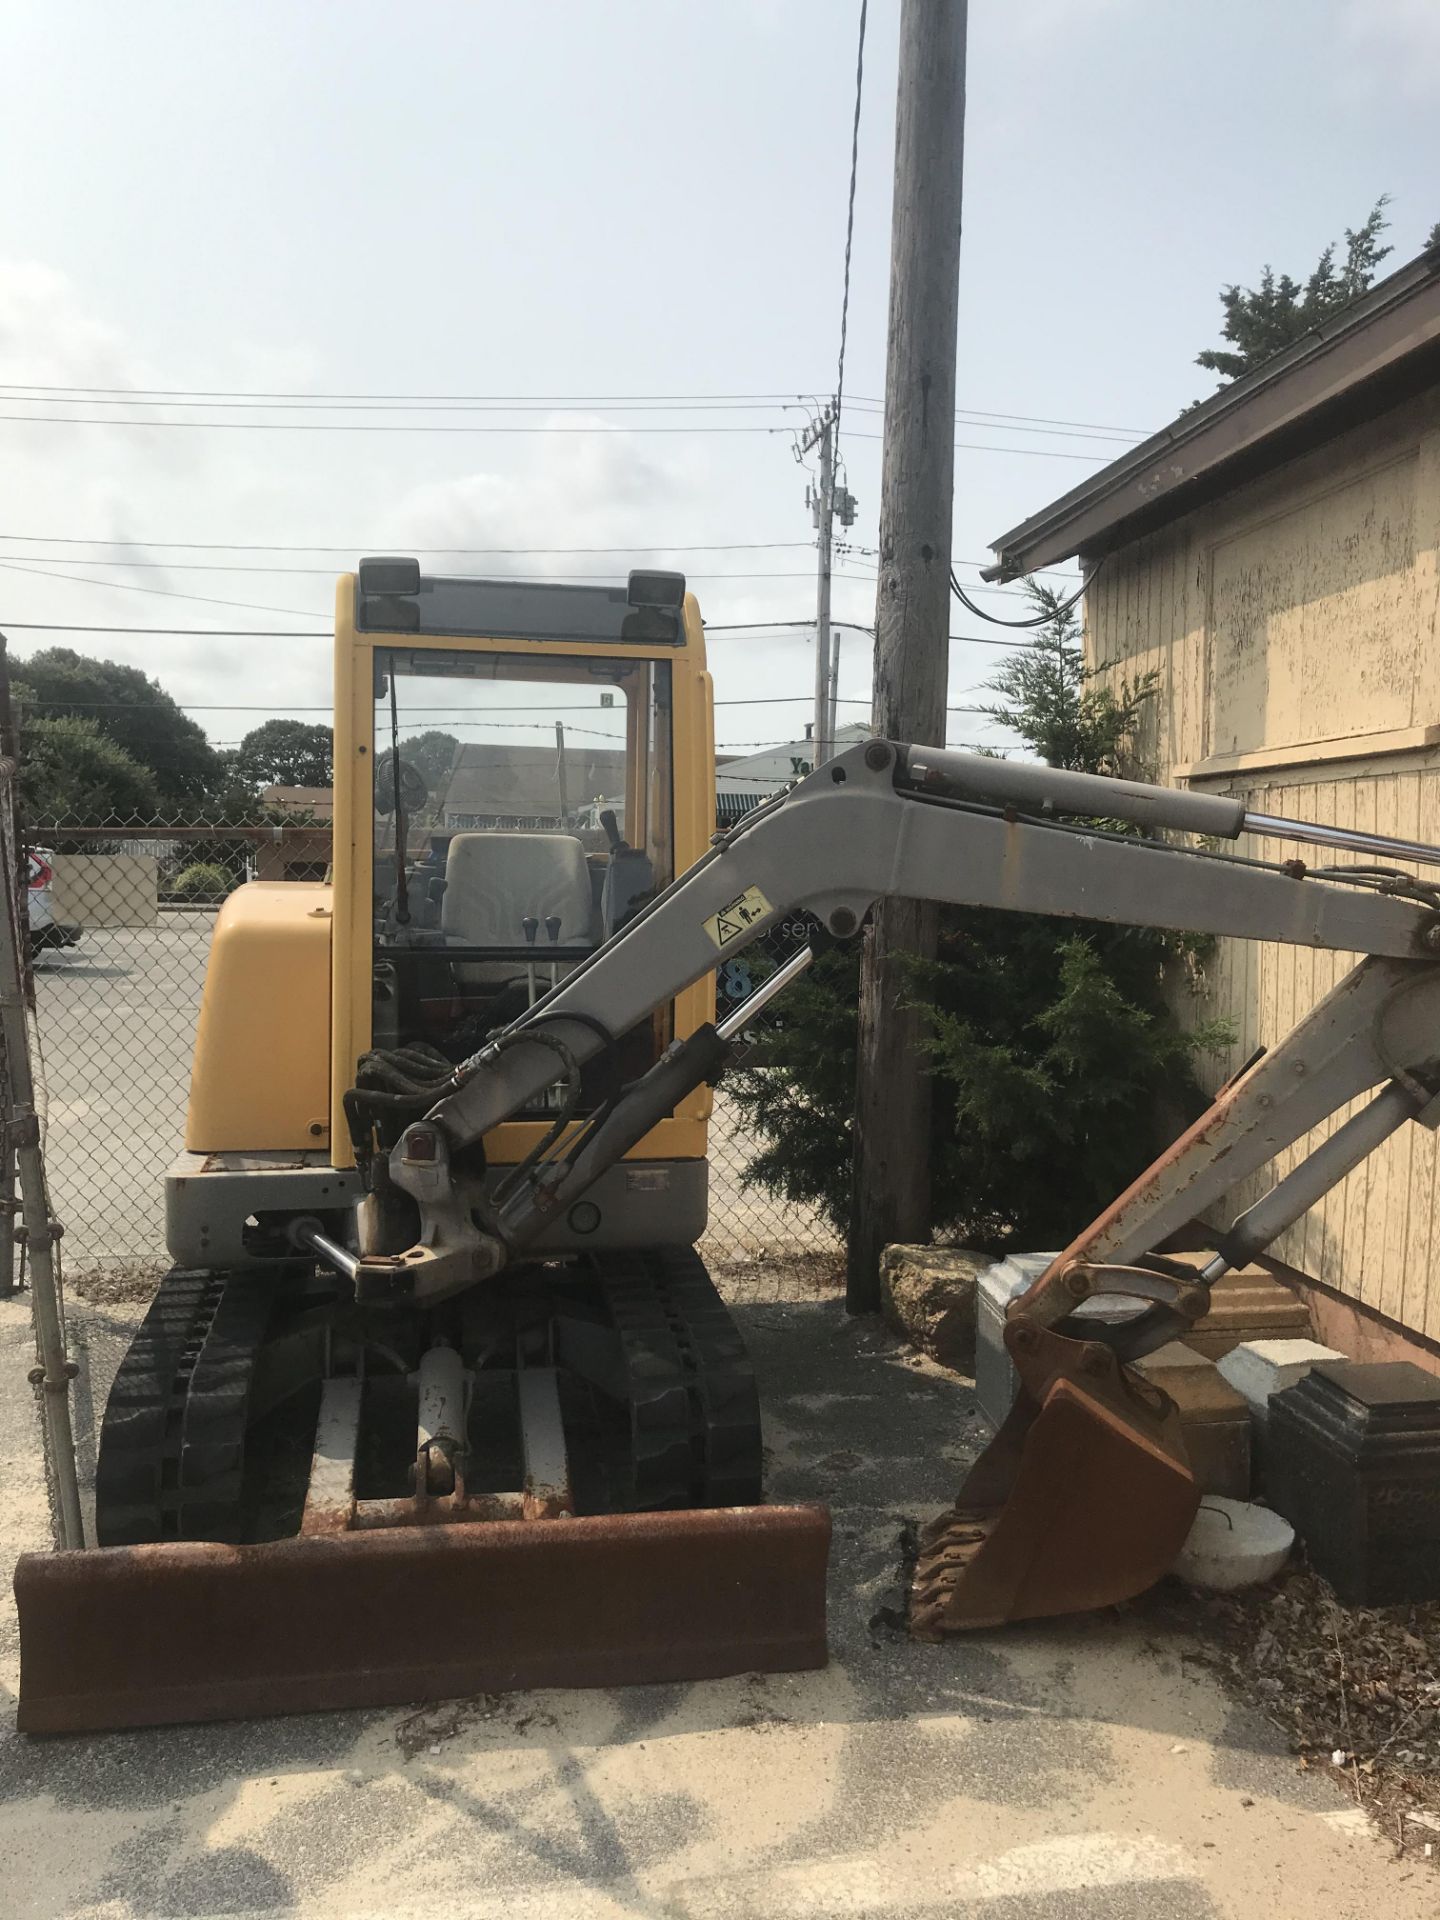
[(1085, 1495), (883, 820)]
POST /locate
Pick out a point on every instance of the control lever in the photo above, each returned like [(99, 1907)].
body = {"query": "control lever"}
[(612, 830), (552, 928), (531, 927)]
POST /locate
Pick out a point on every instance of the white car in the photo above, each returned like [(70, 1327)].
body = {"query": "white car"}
[(45, 929)]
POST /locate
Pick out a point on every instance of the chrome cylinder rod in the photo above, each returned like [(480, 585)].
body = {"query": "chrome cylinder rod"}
[(765, 993), (1312, 1179), (1343, 839), (307, 1233)]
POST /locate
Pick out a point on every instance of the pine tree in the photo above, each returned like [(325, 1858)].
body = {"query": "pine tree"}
[(1262, 321), (1052, 1042)]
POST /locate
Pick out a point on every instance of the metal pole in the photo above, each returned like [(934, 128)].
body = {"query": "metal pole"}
[(891, 1180), (53, 1372), (825, 506), (832, 732), (560, 772)]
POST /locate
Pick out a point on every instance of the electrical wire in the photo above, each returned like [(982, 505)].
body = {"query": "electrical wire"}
[(968, 446), (354, 547), (42, 392), (395, 546), (1043, 619), (351, 426), (168, 593), (850, 212), (322, 573)]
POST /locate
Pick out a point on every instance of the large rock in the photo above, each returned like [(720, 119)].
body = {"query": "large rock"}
[(928, 1295)]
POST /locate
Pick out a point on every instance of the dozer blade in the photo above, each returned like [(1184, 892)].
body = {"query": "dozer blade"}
[(180, 1631), (1083, 1498)]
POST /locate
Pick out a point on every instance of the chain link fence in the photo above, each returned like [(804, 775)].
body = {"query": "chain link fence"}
[(120, 920)]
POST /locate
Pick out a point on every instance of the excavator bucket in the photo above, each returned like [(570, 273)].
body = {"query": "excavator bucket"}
[(1083, 1498), (178, 1631)]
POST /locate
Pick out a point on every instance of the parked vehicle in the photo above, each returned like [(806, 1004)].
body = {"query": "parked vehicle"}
[(45, 930)]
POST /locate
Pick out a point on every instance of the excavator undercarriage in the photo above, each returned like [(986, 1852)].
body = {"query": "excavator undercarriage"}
[(455, 1410)]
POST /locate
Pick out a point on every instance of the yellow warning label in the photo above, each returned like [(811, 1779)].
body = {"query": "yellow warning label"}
[(743, 911)]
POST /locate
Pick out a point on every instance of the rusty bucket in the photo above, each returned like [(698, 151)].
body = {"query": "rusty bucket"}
[(181, 1631), (1083, 1498)]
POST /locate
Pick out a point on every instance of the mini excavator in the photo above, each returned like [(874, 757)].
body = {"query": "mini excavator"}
[(438, 1397)]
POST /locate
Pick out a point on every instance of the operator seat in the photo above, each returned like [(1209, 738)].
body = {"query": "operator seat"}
[(494, 880)]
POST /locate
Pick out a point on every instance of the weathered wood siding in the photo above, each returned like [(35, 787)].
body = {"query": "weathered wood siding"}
[(1295, 630)]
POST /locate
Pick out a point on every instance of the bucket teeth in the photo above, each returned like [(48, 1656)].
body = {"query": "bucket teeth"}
[(947, 1547)]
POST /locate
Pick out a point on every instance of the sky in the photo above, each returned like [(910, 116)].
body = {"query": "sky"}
[(578, 202)]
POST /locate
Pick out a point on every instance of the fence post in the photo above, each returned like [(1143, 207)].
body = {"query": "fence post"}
[(53, 1371)]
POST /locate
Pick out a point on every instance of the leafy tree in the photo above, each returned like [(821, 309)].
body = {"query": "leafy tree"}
[(71, 771), (285, 753), (128, 708), (432, 755), (1052, 1042), (1262, 321)]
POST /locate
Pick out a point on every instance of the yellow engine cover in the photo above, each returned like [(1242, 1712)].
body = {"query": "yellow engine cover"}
[(261, 1076)]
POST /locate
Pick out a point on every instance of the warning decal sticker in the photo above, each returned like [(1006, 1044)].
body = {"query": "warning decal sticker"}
[(733, 920)]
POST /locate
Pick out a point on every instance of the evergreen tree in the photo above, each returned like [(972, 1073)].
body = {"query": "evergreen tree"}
[(1052, 1042), (1262, 321)]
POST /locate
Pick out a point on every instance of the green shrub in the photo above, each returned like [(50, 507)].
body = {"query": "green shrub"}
[(1057, 1060), (202, 880)]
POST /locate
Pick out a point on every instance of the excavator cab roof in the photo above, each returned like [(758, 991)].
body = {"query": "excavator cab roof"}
[(394, 596)]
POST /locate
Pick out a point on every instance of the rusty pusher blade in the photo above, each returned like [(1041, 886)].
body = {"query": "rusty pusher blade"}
[(1083, 1498), (181, 1631)]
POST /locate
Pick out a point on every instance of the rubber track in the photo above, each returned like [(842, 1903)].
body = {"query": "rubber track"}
[(695, 1408), (173, 1435)]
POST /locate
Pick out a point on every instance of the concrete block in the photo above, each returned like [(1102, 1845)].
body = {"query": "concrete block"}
[(996, 1382), (1213, 1417), (1261, 1368), (927, 1295), (1246, 1304)]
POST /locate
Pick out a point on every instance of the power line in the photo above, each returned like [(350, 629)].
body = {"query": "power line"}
[(375, 426), (422, 713), (355, 547), (416, 406), (326, 573), (42, 392), (348, 426), (1036, 419), (198, 633), (970, 446), (752, 627), (392, 546), (169, 593), (515, 400), (850, 212)]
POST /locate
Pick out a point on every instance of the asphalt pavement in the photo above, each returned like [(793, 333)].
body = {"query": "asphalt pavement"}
[(1062, 1771)]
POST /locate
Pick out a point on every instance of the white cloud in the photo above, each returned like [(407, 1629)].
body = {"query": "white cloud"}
[(569, 489)]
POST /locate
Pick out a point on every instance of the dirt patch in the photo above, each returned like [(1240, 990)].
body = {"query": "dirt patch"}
[(1355, 1690), (788, 1277), (113, 1286)]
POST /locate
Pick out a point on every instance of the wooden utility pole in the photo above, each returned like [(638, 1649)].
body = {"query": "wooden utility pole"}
[(822, 505), (891, 1191)]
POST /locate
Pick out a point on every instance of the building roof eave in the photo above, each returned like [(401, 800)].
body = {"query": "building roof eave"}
[(1373, 352)]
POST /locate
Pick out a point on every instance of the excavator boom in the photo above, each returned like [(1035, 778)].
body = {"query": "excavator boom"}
[(1082, 1499)]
